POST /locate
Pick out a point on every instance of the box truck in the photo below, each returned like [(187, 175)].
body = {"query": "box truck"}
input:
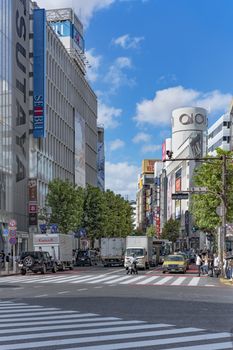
[(140, 247), (58, 245), (112, 251)]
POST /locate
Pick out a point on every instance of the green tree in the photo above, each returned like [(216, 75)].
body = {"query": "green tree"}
[(119, 221), (203, 206), (171, 230), (94, 212), (151, 231), (66, 203)]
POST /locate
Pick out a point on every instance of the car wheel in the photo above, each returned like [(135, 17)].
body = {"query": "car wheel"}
[(28, 261), (43, 270), (23, 272)]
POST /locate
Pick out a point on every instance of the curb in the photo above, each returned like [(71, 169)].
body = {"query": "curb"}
[(226, 282)]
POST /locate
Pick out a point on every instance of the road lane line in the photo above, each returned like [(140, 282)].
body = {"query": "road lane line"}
[(148, 280), (132, 280), (163, 280), (194, 281), (103, 279), (178, 281), (117, 280), (85, 279), (99, 331), (154, 342), (131, 335)]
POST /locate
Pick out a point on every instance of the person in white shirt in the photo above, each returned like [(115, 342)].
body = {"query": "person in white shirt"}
[(198, 264)]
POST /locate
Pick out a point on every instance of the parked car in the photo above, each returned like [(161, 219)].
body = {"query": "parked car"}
[(36, 262), (83, 258), (174, 263)]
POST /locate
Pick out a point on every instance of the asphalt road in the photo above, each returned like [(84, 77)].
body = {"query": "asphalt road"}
[(203, 311)]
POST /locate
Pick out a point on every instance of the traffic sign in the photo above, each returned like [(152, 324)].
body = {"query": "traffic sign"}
[(199, 189), (180, 195), (13, 240), (12, 224), (5, 232), (12, 233)]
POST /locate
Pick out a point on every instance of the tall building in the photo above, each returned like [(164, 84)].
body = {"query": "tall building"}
[(189, 140), (145, 195), (219, 134), (48, 110)]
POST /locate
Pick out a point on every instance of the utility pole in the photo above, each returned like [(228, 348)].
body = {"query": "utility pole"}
[(222, 231)]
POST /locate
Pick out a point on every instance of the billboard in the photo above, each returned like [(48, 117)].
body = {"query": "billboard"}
[(80, 177), (65, 29), (39, 96), (101, 166), (148, 166)]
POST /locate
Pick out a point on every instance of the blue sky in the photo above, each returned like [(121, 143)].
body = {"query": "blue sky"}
[(148, 57)]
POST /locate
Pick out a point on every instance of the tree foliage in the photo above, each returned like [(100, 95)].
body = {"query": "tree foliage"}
[(203, 206), (66, 203), (171, 230), (151, 231), (102, 214)]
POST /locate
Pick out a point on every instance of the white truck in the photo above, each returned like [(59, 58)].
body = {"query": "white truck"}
[(140, 247), (58, 245), (112, 251)]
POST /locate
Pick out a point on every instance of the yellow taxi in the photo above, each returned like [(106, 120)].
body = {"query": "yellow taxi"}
[(174, 263)]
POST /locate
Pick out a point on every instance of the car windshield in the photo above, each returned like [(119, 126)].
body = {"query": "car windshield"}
[(175, 258), (134, 251)]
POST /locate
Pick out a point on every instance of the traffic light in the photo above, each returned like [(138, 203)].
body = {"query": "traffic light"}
[(169, 154)]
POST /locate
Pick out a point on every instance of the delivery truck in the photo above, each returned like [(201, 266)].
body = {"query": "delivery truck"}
[(140, 247), (58, 245), (112, 251)]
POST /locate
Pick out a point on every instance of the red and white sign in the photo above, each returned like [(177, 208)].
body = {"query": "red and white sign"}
[(12, 225), (32, 208)]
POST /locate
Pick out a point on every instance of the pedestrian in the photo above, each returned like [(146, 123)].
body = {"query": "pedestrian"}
[(230, 269), (198, 264), (204, 266)]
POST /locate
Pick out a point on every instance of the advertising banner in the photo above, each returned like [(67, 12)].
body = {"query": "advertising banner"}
[(79, 150), (39, 98), (148, 166)]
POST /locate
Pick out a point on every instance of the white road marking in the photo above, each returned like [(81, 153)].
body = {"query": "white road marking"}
[(163, 280), (148, 280), (178, 281), (194, 281)]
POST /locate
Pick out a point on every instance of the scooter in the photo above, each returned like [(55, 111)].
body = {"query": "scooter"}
[(132, 268)]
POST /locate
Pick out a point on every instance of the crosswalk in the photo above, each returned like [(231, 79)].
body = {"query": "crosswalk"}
[(113, 279), (24, 326)]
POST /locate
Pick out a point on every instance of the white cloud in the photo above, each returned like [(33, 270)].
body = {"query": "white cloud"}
[(108, 116), (116, 144), (116, 76), (94, 62), (159, 109), (141, 137), (128, 42), (122, 178), (150, 148), (84, 8)]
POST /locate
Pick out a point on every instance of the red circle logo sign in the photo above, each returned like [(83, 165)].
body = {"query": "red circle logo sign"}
[(12, 224)]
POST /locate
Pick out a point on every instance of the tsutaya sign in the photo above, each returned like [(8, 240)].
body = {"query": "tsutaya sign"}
[(39, 98)]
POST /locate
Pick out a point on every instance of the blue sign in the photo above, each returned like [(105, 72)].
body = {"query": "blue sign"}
[(78, 39), (39, 98), (62, 28), (54, 228), (43, 228), (5, 232)]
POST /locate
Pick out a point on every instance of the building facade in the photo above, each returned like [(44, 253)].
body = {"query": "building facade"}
[(219, 134), (48, 113), (189, 140), (101, 159)]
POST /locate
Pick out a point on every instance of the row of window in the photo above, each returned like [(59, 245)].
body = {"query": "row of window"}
[(225, 124), (219, 143)]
